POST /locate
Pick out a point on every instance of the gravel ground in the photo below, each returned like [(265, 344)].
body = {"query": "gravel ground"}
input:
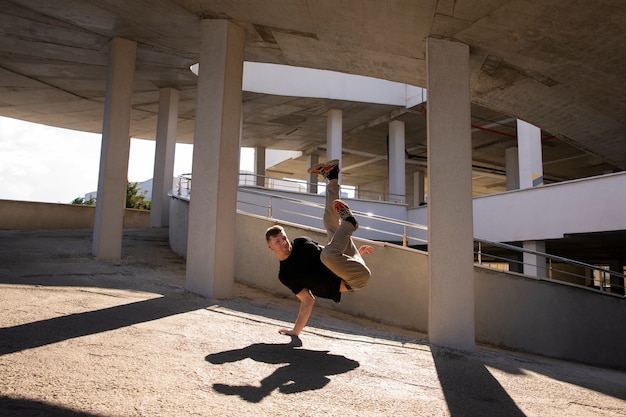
[(84, 337)]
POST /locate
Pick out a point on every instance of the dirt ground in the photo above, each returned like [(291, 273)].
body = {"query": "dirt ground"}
[(84, 337)]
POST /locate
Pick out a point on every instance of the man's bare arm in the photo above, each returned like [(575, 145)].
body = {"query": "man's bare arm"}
[(307, 300)]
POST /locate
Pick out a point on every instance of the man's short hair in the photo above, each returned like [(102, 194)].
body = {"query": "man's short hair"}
[(273, 231)]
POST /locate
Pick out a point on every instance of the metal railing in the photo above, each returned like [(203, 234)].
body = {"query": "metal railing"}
[(183, 187), (495, 255), (287, 184), (294, 208), (503, 256)]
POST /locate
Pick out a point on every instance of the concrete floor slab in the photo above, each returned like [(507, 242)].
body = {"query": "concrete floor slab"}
[(84, 337)]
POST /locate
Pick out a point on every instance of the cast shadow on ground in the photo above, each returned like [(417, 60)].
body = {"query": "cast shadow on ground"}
[(470, 390), (45, 332), (304, 370), (23, 407)]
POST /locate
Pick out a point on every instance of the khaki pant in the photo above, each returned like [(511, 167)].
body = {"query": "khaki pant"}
[(340, 255)]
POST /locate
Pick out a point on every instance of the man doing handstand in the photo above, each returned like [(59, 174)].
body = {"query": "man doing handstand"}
[(311, 270)]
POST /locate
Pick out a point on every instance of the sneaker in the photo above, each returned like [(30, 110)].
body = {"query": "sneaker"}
[(325, 169), (344, 212)]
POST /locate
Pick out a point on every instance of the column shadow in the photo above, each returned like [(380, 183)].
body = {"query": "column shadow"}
[(304, 370), (470, 390), (15, 407), (44, 332)]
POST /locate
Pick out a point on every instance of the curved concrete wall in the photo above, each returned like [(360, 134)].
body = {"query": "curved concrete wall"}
[(179, 220), (397, 293), (286, 80), (594, 204), (511, 310)]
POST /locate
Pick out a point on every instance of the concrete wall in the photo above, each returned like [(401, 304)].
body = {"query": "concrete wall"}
[(179, 220), (27, 215), (512, 310), (549, 318), (395, 270), (548, 212), (397, 293), (286, 80)]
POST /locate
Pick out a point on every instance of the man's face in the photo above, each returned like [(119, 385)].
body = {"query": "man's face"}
[(280, 245)]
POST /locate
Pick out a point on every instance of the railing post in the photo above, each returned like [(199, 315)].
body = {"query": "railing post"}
[(480, 253), (550, 268), (404, 239)]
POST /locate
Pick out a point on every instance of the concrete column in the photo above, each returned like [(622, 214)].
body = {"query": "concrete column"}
[(259, 165), (312, 178), (534, 264), (450, 217), (397, 171), (213, 204), (419, 189), (164, 157), (517, 262), (617, 281), (530, 157), (511, 159), (531, 175), (334, 134), (113, 176)]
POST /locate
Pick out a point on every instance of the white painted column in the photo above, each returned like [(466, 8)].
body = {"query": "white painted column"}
[(167, 123), (450, 218), (397, 171), (531, 175), (312, 178), (419, 189), (113, 175), (530, 155), (334, 134), (535, 265), (213, 204), (259, 165), (617, 281), (511, 161)]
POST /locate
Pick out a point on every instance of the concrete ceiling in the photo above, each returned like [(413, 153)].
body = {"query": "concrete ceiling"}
[(558, 64)]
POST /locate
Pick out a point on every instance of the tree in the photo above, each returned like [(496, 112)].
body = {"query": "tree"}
[(82, 201), (136, 199)]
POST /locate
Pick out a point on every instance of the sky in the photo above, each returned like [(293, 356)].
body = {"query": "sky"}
[(53, 165)]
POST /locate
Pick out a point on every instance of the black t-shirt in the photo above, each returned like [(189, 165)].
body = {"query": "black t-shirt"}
[(303, 269)]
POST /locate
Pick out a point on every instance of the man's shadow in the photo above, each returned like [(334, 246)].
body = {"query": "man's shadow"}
[(305, 370)]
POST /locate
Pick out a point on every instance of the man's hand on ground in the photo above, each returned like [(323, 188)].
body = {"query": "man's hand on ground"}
[(288, 332), (365, 250)]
